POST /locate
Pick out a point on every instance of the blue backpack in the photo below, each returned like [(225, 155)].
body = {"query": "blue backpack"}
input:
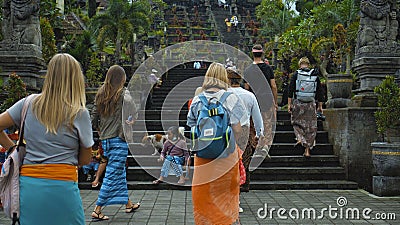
[(212, 136)]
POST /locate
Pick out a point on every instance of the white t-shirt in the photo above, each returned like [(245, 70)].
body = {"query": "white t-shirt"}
[(253, 110)]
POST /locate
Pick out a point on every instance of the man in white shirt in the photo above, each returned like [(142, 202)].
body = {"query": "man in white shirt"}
[(253, 111)]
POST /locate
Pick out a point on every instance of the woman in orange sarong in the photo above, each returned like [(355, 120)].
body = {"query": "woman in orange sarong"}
[(215, 186)]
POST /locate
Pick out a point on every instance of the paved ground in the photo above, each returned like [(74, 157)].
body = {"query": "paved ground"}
[(174, 207)]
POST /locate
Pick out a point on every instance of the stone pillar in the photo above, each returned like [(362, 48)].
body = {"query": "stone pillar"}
[(377, 50), (371, 70), (351, 131), (21, 48)]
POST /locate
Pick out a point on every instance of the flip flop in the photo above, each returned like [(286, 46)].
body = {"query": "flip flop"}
[(157, 182), (98, 216), (132, 208)]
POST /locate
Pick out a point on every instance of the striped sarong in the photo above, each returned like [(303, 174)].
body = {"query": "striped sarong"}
[(114, 190)]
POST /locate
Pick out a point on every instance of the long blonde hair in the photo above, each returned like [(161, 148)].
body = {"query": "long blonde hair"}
[(216, 77), (110, 92), (63, 93)]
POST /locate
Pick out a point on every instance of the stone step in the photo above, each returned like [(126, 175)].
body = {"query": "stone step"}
[(277, 149), (158, 124), (162, 93), (280, 149), (298, 173), (303, 185), (275, 161), (254, 185), (280, 136), (147, 173), (155, 114)]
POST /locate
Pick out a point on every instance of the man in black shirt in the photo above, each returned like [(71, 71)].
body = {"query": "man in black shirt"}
[(253, 76), (260, 77)]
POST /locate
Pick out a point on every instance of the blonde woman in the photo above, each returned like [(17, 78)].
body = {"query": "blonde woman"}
[(108, 120), (304, 111), (215, 186), (58, 138)]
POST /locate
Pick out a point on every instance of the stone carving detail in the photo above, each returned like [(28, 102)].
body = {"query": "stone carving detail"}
[(378, 27), (21, 24)]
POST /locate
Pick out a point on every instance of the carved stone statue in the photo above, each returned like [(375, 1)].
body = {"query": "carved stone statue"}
[(21, 22), (21, 47), (378, 27)]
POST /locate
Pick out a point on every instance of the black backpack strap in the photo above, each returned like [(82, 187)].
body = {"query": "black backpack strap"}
[(169, 151)]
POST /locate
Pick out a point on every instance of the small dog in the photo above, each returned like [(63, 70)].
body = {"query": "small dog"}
[(156, 140)]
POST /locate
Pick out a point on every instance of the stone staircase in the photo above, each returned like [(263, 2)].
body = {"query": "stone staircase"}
[(287, 169), (231, 38)]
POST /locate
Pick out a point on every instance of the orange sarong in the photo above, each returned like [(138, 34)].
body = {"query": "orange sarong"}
[(215, 190), (51, 171)]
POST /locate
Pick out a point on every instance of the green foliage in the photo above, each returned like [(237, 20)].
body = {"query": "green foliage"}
[(278, 74), (121, 20), (1, 18), (49, 10), (92, 8), (48, 39), (311, 32), (15, 89), (82, 48), (275, 17), (94, 73), (304, 6), (388, 114)]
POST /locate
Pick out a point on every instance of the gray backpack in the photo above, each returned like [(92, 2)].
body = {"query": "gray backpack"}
[(306, 85)]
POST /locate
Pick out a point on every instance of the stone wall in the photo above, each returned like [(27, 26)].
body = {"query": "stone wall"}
[(351, 131)]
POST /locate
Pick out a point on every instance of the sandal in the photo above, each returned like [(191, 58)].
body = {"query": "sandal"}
[(157, 182), (132, 208), (98, 216), (181, 183)]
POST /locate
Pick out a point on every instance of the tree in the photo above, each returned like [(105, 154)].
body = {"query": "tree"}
[(49, 10), (1, 19), (121, 20), (49, 48), (15, 89), (275, 17), (330, 15), (94, 73), (311, 33), (92, 5), (81, 48)]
